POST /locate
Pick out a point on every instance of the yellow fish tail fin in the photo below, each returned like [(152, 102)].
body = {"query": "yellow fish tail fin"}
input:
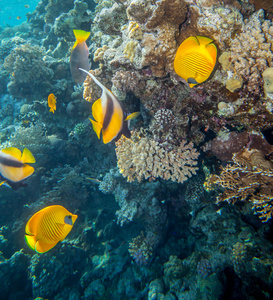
[(96, 127), (27, 157), (15, 152), (31, 241), (81, 36), (51, 110), (132, 116)]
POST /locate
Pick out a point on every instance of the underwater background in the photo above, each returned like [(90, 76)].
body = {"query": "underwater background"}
[(181, 206)]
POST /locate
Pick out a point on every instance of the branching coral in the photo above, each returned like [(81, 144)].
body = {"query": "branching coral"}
[(249, 178), (144, 158)]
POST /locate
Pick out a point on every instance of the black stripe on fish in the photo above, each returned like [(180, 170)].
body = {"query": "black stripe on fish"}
[(109, 112), (10, 163)]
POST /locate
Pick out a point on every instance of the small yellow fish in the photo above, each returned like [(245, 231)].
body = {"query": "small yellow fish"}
[(195, 59), (108, 114), (48, 227), (79, 57), (13, 165), (52, 102), (18, 18), (26, 6)]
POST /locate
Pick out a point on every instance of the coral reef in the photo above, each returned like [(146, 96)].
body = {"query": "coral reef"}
[(28, 72), (251, 52), (147, 228), (144, 158), (249, 178)]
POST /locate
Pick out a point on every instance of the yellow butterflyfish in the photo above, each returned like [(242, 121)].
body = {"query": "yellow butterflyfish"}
[(195, 59)]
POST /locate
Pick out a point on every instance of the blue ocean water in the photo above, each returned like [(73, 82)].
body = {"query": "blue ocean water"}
[(13, 12)]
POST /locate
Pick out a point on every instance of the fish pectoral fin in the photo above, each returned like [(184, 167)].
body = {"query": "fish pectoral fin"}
[(96, 127), (27, 157), (132, 116), (42, 247), (15, 152)]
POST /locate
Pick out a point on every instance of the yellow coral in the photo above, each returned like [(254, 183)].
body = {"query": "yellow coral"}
[(129, 51), (135, 31)]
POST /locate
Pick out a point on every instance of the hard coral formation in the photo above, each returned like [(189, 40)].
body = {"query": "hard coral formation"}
[(144, 158), (159, 21), (28, 71), (249, 178), (251, 52), (149, 32)]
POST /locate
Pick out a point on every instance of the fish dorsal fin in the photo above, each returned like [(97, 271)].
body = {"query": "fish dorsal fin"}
[(81, 36), (27, 157), (96, 127), (14, 152)]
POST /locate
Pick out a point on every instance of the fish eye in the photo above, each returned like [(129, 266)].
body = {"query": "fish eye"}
[(68, 220)]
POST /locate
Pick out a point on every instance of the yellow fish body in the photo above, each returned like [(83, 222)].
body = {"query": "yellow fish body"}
[(195, 59), (51, 100), (108, 114), (13, 165), (48, 227), (79, 57)]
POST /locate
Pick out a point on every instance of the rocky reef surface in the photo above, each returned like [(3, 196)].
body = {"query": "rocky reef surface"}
[(182, 209)]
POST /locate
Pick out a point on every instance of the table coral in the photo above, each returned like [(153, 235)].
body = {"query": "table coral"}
[(144, 158)]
